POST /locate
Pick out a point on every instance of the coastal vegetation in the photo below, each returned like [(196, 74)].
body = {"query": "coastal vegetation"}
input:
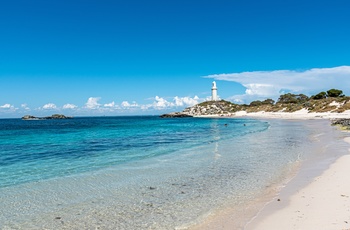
[(331, 101)]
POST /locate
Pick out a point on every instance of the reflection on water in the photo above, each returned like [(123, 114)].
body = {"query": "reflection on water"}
[(216, 137), (230, 165)]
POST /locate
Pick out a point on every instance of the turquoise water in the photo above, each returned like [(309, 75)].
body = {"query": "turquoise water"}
[(39, 150), (140, 172)]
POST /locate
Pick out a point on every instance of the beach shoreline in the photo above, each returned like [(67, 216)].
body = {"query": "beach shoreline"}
[(302, 114), (275, 209), (322, 204), (216, 198)]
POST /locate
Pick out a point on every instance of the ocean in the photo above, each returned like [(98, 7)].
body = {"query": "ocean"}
[(144, 172)]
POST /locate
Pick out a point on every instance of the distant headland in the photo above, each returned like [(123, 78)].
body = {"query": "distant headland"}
[(54, 116), (333, 102)]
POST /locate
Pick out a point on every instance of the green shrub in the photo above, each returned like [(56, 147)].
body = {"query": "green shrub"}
[(268, 102), (255, 103), (335, 93), (290, 98), (321, 95)]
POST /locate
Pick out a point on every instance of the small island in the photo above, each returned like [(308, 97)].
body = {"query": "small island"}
[(54, 116), (175, 114)]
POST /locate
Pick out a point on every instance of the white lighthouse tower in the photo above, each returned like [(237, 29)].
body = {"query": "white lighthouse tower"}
[(214, 92)]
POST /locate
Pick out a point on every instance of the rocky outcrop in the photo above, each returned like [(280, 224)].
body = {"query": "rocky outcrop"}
[(223, 108), (58, 116), (29, 117), (54, 116), (344, 122), (212, 108), (175, 115)]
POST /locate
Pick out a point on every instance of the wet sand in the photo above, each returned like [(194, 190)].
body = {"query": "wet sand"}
[(317, 196), (322, 204)]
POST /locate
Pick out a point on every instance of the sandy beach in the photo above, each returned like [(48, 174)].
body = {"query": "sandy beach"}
[(302, 114), (311, 200), (323, 204)]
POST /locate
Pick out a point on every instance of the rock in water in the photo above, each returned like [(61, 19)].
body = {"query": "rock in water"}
[(345, 122), (54, 116), (175, 115), (29, 117), (57, 116)]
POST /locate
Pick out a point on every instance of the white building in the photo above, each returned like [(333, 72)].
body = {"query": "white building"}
[(214, 92)]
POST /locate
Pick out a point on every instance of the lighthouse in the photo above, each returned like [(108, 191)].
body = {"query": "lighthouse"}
[(214, 92)]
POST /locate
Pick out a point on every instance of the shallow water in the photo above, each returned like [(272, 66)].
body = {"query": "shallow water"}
[(141, 172)]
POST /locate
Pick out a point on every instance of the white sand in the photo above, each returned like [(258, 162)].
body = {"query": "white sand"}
[(300, 114), (323, 204)]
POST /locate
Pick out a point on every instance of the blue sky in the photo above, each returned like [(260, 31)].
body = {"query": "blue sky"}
[(149, 57)]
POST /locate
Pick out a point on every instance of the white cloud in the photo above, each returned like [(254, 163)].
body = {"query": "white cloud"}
[(50, 106), (109, 105), (6, 106), (146, 107), (69, 106), (134, 104), (261, 89), (263, 84), (161, 103), (92, 103), (25, 106), (126, 104), (238, 101), (186, 101)]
